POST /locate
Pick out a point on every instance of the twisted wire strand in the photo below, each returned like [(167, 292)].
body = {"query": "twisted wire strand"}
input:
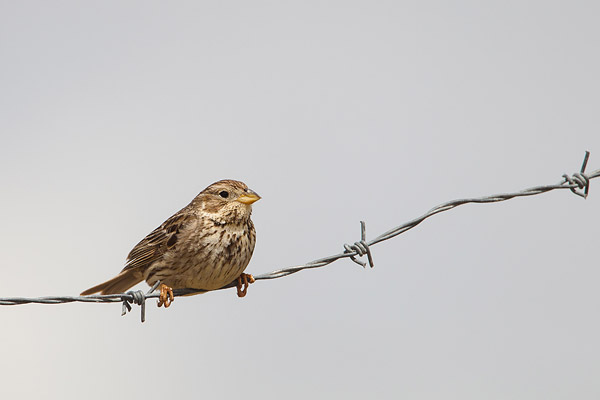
[(578, 183)]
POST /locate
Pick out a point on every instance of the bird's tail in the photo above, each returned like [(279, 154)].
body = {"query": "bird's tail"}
[(118, 284)]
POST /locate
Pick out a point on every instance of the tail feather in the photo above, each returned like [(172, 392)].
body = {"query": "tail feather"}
[(118, 284)]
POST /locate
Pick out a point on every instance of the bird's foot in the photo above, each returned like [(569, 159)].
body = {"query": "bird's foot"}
[(166, 296), (243, 281)]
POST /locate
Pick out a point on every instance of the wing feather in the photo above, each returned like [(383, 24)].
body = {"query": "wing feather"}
[(154, 245)]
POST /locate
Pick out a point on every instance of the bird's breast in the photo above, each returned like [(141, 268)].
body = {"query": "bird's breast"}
[(211, 255)]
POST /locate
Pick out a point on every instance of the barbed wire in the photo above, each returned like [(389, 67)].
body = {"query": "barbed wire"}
[(578, 183)]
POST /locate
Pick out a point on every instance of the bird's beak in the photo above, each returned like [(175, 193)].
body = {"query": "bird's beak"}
[(248, 197)]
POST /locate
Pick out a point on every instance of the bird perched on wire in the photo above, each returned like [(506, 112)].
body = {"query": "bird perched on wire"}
[(206, 245)]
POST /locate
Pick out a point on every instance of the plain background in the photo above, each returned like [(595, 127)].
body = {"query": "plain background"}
[(115, 114)]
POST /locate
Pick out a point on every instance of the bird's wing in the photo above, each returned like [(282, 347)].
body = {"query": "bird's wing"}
[(153, 246)]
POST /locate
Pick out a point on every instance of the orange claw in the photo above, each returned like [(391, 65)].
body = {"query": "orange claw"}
[(166, 296), (243, 280)]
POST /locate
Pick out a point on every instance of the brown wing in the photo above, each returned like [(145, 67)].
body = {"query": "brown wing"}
[(153, 246)]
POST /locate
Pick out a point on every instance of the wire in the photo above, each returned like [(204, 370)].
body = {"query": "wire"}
[(578, 183)]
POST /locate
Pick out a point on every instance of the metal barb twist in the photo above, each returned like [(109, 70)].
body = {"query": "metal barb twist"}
[(137, 297), (360, 248), (579, 180)]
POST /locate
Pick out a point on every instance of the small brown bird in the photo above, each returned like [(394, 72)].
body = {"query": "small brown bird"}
[(206, 245)]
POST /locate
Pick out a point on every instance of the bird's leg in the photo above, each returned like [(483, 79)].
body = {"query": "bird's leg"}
[(166, 296), (243, 280)]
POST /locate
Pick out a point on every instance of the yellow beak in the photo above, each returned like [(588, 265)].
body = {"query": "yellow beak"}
[(249, 197)]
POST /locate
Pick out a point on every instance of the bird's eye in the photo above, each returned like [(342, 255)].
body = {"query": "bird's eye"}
[(224, 194)]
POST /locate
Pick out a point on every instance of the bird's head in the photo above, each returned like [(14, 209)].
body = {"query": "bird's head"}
[(227, 201)]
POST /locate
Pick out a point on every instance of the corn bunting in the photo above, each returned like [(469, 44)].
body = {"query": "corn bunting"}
[(206, 245)]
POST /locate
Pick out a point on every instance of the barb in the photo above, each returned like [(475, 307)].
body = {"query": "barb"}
[(138, 297), (578, 183), (361, 248)]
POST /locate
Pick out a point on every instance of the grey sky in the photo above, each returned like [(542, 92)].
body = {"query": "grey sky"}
[(114, 115)]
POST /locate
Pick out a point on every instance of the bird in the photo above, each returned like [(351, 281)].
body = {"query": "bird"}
[(205, 246)]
